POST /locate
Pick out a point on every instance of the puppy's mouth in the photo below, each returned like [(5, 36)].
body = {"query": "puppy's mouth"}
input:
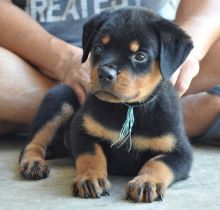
[(110, 96)]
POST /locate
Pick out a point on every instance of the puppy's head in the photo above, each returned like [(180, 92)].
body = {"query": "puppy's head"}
[(132, 50)]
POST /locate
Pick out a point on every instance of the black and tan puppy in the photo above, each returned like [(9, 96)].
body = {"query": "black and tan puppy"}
[(131, 123)]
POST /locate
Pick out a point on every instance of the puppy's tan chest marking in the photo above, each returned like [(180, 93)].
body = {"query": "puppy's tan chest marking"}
[(96, 129), (163, 143)]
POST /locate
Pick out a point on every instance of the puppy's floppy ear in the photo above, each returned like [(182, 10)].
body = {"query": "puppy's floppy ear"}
[(90, 29), (175, 45)]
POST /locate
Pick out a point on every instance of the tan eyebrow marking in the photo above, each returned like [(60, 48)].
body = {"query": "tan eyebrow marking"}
[(134, 46), (106, 39)]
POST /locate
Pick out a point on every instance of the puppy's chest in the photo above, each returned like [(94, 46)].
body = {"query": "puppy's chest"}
[(144, 135)]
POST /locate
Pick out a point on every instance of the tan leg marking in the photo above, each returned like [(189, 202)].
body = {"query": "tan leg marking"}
[(91, 175), (44, 137), (151, 182), (32, 164)]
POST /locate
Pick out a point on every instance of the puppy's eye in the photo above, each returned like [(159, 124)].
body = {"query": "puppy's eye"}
[(140, 57), (99, 50)]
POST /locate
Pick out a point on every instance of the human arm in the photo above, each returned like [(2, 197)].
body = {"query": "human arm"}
[(201, 20), (52, 56)]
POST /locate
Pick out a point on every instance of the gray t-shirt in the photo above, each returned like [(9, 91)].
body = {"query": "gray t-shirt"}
[(64, 18)]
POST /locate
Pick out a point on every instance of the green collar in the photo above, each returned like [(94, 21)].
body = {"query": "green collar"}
[(125, 133)]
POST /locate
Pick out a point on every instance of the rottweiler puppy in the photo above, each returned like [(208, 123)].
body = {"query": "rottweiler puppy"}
[(131, 123)]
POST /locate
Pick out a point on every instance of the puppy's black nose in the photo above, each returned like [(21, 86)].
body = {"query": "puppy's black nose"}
[(107, 74)]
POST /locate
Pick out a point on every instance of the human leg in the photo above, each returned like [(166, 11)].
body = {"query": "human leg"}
[(201, 108), (200, 111), (22, 88)]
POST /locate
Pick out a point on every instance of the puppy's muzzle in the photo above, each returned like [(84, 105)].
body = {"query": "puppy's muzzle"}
[(107, 74)]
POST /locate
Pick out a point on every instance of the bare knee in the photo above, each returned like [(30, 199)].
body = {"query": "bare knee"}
[(196, 123), (22, 88)]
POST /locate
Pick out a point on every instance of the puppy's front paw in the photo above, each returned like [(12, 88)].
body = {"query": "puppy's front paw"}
[(91, 187), (34, 169), (141, 189)]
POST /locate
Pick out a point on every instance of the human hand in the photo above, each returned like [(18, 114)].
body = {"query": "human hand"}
[(78, 76), (183, 76)]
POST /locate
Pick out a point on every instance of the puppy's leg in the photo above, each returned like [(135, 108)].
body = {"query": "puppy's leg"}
[(56, 109), (91, 166), (91, 175), (159, 173)]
